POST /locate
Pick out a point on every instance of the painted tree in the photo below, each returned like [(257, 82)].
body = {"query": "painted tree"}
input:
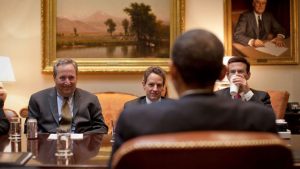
[(75, 31), (143, 21), (111, 26), (125, 24)]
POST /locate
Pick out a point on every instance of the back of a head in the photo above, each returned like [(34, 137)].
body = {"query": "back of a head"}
[(198, 56)]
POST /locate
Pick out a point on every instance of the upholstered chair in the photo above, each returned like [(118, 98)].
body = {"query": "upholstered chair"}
[(279, 100), (112, 103), (204, 149)]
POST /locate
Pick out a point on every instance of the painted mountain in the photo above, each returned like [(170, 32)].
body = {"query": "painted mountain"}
[(93, 24)]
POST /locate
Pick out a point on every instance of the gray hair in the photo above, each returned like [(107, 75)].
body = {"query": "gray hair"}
[(64, 61)]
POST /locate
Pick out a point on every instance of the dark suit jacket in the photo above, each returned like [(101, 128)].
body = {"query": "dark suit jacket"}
[(139, 101), (87, 116), (191, 113), (247, 28), (4, 123), (260, 97)]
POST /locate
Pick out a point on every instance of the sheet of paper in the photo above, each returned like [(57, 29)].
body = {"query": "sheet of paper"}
[(74, 136), (272, 49)]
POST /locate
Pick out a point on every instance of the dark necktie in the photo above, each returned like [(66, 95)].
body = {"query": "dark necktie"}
[(261, 28), (66, 116)]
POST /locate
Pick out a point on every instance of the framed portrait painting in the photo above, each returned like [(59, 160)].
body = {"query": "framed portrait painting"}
[(263, 31), (110, 36)]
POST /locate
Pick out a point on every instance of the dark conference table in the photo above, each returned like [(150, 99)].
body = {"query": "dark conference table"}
[(93, 151)]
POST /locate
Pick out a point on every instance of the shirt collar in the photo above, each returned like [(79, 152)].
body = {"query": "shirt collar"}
[(148, 101), (62, 98)]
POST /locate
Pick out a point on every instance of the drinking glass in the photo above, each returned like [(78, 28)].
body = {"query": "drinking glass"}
[(64, 144), (15, 129)]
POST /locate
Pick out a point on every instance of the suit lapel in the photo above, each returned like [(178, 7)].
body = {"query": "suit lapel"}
[(76, 103), (143, 100), (53, 105)]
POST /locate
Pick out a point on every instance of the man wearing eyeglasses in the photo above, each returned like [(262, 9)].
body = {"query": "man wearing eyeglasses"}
[(238, 73)]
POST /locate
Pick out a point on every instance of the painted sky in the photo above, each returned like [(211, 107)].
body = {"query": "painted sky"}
[(77, 9)]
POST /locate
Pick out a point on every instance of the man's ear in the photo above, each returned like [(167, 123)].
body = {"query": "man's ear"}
[(143, 82), (247, 77), (173, 70), (223, 72)]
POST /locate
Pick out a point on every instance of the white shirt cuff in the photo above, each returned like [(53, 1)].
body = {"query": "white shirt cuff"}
[(251, 42), (281, 35)]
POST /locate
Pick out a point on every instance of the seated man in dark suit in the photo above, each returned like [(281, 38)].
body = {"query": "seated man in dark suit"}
[(255, 27), (66, 104), (238, 73), (196, 63), (154, 81)]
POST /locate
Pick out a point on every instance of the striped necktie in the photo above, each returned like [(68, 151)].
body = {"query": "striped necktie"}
[(66, 116)]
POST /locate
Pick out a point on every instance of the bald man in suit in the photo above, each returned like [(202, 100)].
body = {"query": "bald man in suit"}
[(248, 32)]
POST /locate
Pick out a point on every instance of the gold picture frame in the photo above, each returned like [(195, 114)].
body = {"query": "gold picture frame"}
[(105, 64), (234, 8)]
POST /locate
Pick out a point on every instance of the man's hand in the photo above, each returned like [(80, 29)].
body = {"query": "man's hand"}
[(258, 43), (278, 41), (240, 81)]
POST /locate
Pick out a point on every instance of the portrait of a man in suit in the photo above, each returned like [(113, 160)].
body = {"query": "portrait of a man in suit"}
[(257, 26), (261, 30)]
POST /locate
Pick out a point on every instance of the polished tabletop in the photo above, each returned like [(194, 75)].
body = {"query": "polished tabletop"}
[(93, 151), (294, 143)]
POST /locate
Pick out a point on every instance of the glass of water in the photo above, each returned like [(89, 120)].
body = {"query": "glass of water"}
[(15, 129), (64, 144)]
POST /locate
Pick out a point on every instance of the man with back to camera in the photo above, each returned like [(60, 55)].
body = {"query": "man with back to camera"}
[(47, 106), (238, 73), (4, 123), (257, 26), (154, 81), (196, 63)]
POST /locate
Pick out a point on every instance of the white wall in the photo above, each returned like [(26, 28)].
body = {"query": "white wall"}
[(20, 38)]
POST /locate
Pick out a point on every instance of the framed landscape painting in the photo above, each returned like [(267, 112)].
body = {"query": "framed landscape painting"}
[(110, 36), (279, 19)]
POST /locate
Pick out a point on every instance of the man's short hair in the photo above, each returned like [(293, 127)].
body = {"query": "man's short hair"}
[(240, 59), (156, 70), (64, 61), (198, 56)]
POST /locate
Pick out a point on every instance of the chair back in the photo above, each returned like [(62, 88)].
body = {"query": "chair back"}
[(112, 103), (9, 113), (204, 149), (279, 101)]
